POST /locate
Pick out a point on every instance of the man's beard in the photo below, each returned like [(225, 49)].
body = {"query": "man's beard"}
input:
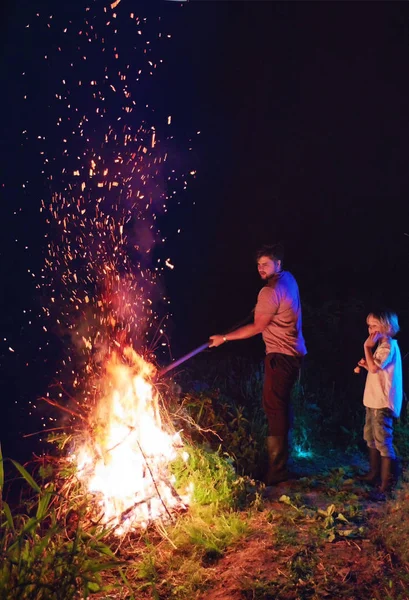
[(272, 276)]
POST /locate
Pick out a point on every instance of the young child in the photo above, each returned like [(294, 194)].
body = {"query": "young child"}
[(383, 394)]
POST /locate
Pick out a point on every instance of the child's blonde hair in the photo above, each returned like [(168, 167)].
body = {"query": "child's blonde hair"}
[(388, 320)]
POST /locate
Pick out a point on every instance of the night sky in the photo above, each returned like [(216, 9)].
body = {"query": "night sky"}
[(302, 110)]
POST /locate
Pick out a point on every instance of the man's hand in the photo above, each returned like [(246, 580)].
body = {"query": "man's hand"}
[(242, 333), (216, 340), (372, 339)]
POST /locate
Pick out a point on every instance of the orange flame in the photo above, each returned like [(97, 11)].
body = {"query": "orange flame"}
[(125, 460)]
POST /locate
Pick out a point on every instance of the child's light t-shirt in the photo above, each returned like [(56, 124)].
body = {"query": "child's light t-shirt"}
[(383, 389)]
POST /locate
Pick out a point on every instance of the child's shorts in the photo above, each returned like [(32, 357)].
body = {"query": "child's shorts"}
[(378, 430)]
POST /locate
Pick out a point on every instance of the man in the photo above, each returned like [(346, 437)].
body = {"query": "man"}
[(277, 317)]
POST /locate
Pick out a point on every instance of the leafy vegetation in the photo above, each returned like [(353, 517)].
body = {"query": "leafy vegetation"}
[(319, 536), (43, 557)]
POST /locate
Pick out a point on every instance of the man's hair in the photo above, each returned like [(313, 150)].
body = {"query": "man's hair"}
[(388, 320), (273, 251)]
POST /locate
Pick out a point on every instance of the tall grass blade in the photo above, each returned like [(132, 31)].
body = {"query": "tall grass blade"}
[(97, 567), (9, 516), (26, 476), (30, 525), (103, 549), (43, 504)]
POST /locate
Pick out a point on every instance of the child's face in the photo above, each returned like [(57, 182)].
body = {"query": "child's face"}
[(374, 325)]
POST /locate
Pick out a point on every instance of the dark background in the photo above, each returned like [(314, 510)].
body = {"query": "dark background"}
[(303, 114)]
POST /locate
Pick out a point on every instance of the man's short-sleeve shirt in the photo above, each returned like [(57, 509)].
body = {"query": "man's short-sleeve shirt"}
[(280, 299)]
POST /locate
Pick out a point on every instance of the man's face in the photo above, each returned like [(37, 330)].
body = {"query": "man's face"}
[(268, 267)]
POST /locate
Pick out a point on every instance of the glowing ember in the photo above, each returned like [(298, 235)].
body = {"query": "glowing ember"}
[(125, 460)]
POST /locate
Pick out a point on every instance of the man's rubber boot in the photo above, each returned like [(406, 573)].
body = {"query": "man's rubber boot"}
[(277, 450), (374, 474)]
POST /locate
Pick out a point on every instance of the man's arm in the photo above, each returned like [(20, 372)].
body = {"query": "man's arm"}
[(242, 333)]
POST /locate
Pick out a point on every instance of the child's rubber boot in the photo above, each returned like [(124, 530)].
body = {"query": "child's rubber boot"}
[(386, 474), (381, 494), (374, 474)]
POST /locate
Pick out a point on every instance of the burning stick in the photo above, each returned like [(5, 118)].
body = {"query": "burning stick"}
[(64, 408), (183, 359)]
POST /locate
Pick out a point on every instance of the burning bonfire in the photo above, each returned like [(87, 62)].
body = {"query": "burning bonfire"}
[(100, 270), (123, 456)]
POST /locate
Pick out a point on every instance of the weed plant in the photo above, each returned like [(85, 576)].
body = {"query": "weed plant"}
[(43, 557)]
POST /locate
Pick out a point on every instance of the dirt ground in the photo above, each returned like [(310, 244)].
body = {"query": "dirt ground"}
[(285, 558)]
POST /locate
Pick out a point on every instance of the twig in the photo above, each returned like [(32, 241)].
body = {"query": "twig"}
[(153, 480), (196, 426), (59, 386), (69, 411), (126, 512), (43, 431), (131, 429)]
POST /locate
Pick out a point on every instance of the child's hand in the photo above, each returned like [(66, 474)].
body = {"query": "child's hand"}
[(361, 363), (372, 339)]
